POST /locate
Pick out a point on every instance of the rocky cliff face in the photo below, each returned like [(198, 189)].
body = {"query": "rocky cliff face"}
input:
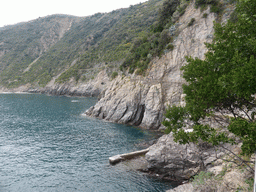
[(92, 88), (179, 162), (141, 101)]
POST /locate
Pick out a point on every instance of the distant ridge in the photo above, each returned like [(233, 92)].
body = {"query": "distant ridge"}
[(52, 43)]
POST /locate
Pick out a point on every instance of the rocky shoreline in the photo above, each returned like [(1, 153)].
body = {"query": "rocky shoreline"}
[(177, 163), (142, 100)]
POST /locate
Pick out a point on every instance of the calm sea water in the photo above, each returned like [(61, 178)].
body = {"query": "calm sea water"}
[(47, 145)]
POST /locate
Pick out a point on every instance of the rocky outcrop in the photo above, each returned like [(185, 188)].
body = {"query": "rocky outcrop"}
[(141, 101), (229, 178), (183, 188), (180, 162), (122, 102), (92, 88)]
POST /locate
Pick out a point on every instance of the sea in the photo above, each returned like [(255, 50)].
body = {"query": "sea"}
[(48, 145)]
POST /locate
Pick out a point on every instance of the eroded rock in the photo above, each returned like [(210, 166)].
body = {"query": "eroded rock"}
[(180, 162), (141, 101)]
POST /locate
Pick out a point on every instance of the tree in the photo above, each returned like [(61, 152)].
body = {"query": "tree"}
[(221, 87), (166, 11)]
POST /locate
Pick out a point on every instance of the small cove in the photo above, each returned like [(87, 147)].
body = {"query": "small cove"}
[(47, 145)]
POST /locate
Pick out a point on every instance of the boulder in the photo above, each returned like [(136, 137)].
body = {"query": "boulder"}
[(180, 162)]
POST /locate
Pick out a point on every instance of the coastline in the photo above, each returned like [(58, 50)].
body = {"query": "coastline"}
[(167, 160)]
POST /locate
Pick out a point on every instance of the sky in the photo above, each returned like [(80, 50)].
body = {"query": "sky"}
[(15, 11)]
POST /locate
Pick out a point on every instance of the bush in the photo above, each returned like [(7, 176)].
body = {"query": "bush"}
[(170, 46), (114, 75), (201, 178), (153, 43), (216, 9), (250, 182), (204, 2), (215, 5), (168, 8), (192, 21), (205, 15)]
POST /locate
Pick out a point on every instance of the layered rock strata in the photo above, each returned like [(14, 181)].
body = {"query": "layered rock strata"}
[(92, 88), (179, 162), (141, 101)]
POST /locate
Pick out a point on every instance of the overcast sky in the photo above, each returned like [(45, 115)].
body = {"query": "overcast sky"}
[(15, 11)]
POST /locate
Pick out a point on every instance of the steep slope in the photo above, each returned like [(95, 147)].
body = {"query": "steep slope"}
[(22, 45), (82, 60), (43, 49), (139, 100), (66, 55)]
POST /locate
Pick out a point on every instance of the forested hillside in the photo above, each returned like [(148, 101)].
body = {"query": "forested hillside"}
[(36, 51), (63, 47), (25, 43)]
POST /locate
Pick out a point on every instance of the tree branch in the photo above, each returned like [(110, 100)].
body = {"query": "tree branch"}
[(240, 159)]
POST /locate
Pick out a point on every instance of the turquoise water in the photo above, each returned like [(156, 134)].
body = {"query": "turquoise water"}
[(47, 145)]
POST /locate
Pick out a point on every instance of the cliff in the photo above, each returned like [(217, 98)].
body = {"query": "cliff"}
[(95, 48), (141, 101)]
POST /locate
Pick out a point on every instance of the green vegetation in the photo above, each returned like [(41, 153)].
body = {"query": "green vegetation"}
[(117, 40), (86, 46), (250, 182), (215, 5), (78, 48), (144, 49), (201, 178), (152, 43), (114, 75), (130, 37), (191, 22), (207, 181), (222, 87), (24, 43), (205, 15)]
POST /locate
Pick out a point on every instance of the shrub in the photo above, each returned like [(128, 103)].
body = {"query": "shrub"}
[(192, 21), (168, 8), (205, 15), (201, 178), (153, 43), (215, 5), (216, 9), (114, 75), (204, 2), (170, 46), (250, 182)]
